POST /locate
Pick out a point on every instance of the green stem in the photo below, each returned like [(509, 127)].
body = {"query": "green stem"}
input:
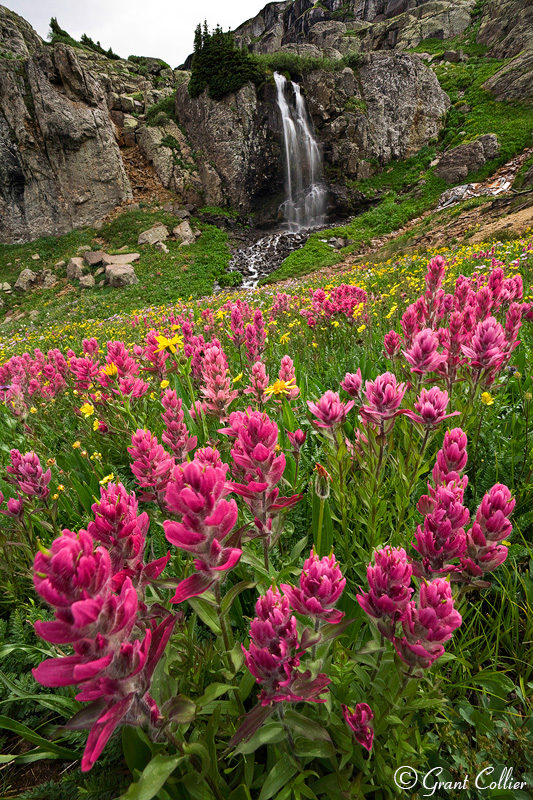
[(412, 482), (313, 651), (195, 763), (281, 714), (227, 646), (319, 531)]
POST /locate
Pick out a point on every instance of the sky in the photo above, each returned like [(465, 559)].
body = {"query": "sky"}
[(159, 28)]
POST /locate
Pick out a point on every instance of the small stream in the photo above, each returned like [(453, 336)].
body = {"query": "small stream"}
[(259, 259)]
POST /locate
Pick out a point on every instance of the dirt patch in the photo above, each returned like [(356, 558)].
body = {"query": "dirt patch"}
[(513, 223)]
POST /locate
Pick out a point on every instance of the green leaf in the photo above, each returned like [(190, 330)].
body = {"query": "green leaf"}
[(55, 702), (206, 613), (240, 793), (314, 749), (297, 549), (137, 753), (153, 777), (213, 691), (278, 777), (267, 734), (306, 727), (30, 736), (227, 602), (495, 682)]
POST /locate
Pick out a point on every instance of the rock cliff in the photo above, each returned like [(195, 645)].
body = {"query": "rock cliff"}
[(60, 165), (388, 108), (354, 25)]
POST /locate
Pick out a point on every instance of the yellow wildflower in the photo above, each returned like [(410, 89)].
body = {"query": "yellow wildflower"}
[(87, 410), (164, 384), (237, 378), (280, 387), (361, 328), (33, 410), (60, 488), (152, 396), (486, 398), (169, 344), (96, 424), (75, 445), (110, 369), (106, 479), (284, 338), (55, 496), (50, 462)]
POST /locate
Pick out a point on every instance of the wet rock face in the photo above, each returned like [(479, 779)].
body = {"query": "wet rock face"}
[(60, 166), (265, 255), (238, 145)]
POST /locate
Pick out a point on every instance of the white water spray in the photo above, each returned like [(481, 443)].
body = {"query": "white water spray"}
[(305, 192)]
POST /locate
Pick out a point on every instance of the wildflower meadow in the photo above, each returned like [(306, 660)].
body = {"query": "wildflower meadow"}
[(276, 543)]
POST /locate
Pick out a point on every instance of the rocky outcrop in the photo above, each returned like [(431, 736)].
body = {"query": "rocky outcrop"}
[(169, 152), (60, 166), (355, 25), (120, 275), (470, 157), (237, 144), (506, 27), (515, 80), (390, 108)]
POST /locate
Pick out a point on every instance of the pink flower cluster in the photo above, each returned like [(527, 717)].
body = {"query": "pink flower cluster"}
[(259, 381), (26, 474), (321, 585), (383, 398), (216, 388), (97, 609), (491, 526), (118, 526), (256, 459), (152, 465), (442, 538), (443, 332), (330, 411), (425, 623), (430, 408), (359, 721), (196, 493), (274, 654), (176, 436), (255, 337), (340, 301)]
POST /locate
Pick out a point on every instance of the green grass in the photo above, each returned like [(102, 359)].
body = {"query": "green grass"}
[(519, 180), (189, 271)]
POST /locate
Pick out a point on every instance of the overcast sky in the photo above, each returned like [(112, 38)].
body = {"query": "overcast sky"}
[(160, 28)]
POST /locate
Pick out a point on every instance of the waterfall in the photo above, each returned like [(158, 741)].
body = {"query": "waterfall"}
[(305, 192)]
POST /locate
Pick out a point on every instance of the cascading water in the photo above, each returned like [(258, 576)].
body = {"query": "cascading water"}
[(305, 191), (305, 203)]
